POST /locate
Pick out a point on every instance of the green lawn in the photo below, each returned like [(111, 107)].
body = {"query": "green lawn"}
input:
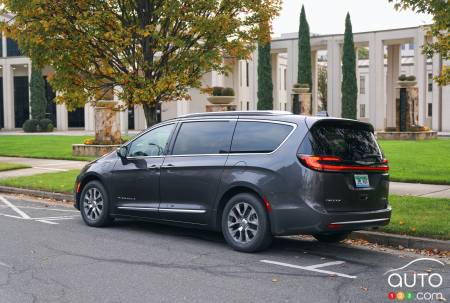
[(425, 161), (61, 182), (11, 166), (421, 217), (45, 146)]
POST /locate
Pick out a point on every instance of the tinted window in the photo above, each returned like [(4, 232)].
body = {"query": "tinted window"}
[(259, 137), (152, 143), (352, 142), (212, 137)]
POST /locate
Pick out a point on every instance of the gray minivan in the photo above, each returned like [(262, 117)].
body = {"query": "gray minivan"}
[(250, 175)]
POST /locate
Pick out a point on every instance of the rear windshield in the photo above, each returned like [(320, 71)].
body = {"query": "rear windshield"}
[(349, 141)]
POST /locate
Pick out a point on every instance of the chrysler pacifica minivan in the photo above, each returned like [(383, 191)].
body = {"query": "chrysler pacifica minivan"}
[(250, 175)]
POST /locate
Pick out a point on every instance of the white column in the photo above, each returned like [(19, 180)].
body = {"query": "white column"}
[(436, 122), (89, 117), (334, 77), (139, 118), (420, 64), (376, 83), (314, 81), (8, 96), (275, 81), (291, 71), (62, 121), (393, 71)]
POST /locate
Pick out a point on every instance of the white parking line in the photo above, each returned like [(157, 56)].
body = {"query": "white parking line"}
[(24, 216), (4, 264), (313, 268), (14, 208)]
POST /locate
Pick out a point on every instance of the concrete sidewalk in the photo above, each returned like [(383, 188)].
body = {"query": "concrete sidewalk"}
[(48, 165), (419, 190), (38, 166)]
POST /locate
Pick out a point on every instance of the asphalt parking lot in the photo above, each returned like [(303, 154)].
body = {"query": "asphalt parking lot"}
[(47, 254)]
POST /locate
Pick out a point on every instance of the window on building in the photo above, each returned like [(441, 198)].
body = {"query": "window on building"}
[(258, 137), (430, 82), (403, 47), (207, 137), (411, 45), (284, 78), (248, 105), (362, 110), (152, 143), (362, 85), (12, 48), (430, 109), (247, 73)]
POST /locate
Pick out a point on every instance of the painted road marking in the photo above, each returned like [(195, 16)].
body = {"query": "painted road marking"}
[(4, 264), (313, 268), (24, 216), (14, 208)]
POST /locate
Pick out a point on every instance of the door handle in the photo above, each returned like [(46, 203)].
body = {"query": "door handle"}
[(153, 166), (169, 165)]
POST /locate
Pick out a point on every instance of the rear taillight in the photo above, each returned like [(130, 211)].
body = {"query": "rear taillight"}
[(336, 164)]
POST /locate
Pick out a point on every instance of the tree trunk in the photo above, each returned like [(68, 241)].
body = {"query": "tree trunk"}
[(151, 114)]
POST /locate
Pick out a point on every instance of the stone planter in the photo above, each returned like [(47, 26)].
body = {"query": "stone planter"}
[(107, 123), (425, 135), (300, 90), (85, 150), (406, 83), (221, 99)]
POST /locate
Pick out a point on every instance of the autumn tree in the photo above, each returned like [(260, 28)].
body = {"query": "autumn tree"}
[(440, 30), (153, 50), (349, 88)]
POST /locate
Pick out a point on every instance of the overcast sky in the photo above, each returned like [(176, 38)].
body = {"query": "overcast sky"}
[(328, 16)]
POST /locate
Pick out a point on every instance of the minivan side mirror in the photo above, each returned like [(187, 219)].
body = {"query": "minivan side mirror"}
[(122, 151)]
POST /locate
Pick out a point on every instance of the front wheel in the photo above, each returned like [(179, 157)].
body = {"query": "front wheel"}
[(245, 224), (331, 238), (94, 205)]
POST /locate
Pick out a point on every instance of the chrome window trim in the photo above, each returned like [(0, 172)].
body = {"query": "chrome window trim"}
[(362, 221), (294, 127)]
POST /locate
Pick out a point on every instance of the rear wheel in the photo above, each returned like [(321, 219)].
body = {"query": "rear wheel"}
[(332, 238), (94, 205), (245, 224)]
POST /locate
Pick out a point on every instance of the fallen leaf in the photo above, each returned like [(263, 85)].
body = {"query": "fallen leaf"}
[(401, 222), (364, 288), (274, 280)]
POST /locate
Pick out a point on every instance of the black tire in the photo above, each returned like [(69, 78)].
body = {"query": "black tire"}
[(100, 216), (258, 238), (332, 238)]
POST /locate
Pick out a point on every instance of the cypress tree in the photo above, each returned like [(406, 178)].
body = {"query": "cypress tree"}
[(38, 99), (349, 87), (265, 86), (304, 51)]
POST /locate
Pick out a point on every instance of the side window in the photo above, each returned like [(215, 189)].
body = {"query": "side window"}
[(258, 137), (206, 137), (152, 143)]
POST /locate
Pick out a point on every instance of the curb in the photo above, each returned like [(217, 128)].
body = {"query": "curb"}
[(397, 240), (36, 193)]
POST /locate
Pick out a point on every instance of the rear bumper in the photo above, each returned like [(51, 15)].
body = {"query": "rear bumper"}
[(307, 221)]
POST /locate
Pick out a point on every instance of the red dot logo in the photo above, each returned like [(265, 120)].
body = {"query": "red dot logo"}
[(391, 295)]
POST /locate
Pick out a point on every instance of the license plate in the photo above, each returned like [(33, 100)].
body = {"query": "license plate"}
[(362, 181)]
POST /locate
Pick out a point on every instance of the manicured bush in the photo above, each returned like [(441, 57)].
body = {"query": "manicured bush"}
[(402, 77), (411, 78), (38, 99), (30, 126), (304, 51), (228, 91), (217, 90), (46, 125)]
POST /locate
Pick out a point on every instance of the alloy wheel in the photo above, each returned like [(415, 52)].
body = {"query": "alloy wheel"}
[(243, 222), (93, 203)]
